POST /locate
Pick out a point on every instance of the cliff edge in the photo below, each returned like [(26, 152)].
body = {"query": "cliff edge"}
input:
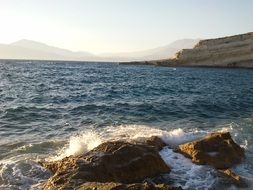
[(231, 51)]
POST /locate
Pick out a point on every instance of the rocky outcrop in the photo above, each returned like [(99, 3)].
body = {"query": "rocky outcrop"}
[(216, 149), (119, 165), (120, 186), (229, 177), (156, 142), (118, 162), (232, 51)]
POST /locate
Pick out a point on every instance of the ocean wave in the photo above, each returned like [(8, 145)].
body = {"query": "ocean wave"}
[(21, 172), (184, 172), (78, 144), (88, 139), (41, 147), (187, 174)]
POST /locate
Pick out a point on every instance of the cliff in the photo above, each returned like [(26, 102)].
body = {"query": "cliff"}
[(232, 51), (228, 51)]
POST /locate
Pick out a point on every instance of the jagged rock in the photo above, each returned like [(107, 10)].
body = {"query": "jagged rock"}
[(231, 178), (120, 186), (216, 149), (118, 161), (156, 142)]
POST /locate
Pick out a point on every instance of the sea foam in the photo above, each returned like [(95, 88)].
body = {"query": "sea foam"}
[(190, 175), (79, 144), (89, 139), (187, 174)]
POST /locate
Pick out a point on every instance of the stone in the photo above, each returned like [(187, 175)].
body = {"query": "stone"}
[(216, 149), (117, 161), (231, 178), (120, 186), (156, 142)]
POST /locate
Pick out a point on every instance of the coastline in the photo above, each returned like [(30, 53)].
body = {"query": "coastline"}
[(227, 52), (143, 164), (159, 64)]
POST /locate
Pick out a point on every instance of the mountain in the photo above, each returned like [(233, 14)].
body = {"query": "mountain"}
[(50, 49), (27, 49), (163, 52)]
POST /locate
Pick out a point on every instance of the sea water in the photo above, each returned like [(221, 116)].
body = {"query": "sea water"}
[(51, 110)]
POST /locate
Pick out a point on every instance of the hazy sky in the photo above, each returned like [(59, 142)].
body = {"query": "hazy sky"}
[(121, 25)]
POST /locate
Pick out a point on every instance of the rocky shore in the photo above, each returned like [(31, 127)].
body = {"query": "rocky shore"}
[(121, 165), (232, 51)]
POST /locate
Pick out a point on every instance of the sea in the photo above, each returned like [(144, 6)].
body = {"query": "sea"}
[(50, 110)]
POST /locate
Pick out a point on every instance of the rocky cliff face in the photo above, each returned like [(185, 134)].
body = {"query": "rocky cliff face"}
[(232, 51)]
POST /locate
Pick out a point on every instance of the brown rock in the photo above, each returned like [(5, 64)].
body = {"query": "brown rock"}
[(120, 162), (156, 142), (216, 149), (120, 186), (233, 178)]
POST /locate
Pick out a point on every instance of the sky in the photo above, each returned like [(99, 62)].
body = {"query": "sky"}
[(101, 26)]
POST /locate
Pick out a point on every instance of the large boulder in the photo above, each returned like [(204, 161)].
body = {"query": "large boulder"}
[(216, 149), (120, 162)]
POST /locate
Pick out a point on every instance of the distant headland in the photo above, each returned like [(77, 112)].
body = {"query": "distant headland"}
[(231, 51)]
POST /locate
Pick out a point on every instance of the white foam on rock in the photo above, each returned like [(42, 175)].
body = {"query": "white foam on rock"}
[(89, 139), (139, 132), (79, 144), (26, 174), (183, 171), (187, 174), (21, 173)]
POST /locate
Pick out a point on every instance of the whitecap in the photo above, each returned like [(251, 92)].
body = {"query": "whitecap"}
[(187, 174), (89, 139), (79, 144), (19, 172)]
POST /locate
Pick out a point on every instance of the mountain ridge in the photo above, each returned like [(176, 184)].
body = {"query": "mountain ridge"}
[(29, 49)]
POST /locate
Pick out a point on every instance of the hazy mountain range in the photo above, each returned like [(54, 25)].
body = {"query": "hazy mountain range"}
[(27, 49)]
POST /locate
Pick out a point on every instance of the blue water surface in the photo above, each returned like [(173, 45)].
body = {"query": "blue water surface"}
[(40, 101)]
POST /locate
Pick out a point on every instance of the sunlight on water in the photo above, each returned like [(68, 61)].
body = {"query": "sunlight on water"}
[(49, 111)]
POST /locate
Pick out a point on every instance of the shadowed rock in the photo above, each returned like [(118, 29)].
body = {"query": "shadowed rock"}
[(216, 149), (156, 142), (120, 162), (230, 177)]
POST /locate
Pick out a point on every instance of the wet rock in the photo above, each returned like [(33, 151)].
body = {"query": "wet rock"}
[(120, 186), (119, 162), (216, 149), (156, 142), (231, 178)]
